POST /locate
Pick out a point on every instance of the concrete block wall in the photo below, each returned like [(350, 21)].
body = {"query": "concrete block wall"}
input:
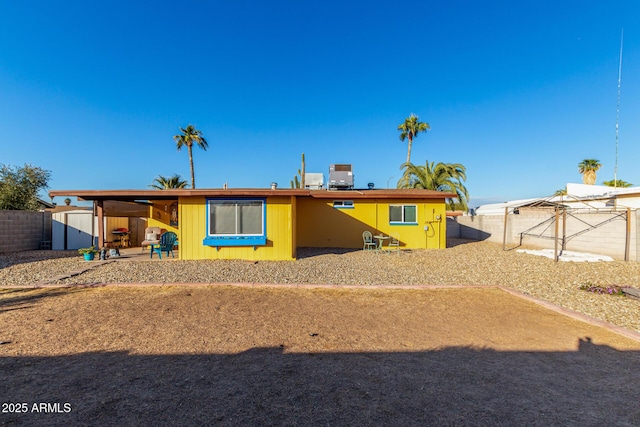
[(23, 230), (609, 238)]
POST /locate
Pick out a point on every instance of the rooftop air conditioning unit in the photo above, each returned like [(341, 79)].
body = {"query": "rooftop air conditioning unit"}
[(313, 181), (340, 177)]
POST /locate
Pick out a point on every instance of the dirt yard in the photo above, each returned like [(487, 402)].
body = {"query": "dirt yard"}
[(222, 355)]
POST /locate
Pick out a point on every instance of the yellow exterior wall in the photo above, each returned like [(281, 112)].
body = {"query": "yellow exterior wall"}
[(193, 227), (160, 216), (307, 222), (319, 224), (294, 227), (113, 222)]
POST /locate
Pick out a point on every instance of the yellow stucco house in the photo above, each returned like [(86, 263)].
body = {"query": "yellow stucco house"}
[(271, 224)]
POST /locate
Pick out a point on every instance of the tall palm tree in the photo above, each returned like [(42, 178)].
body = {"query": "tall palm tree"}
[(617, 183), (588, 169), (164, 183), (410, 129), (189, 136), (440, 177)]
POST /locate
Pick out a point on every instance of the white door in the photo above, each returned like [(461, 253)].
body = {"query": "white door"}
[(79, 230), (73, 230)]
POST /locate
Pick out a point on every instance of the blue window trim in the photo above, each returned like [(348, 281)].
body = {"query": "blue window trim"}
[(236, 240), (403, 222)]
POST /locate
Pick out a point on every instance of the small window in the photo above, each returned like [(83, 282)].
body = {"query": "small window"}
[(403, 214), (343, 204), (235, 222)]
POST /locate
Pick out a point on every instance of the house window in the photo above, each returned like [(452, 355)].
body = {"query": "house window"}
[(235, 222), (403, 214), (343, 204)]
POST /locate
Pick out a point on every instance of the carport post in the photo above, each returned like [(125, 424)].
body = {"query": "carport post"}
[(628, 236), (564, 229), (504, 232), (555, 250), (99, 204)]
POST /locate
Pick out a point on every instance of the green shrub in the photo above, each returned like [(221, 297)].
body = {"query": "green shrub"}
[(91, 250)]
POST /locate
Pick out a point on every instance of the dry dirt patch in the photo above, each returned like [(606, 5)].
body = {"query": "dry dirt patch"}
[(275, 356)]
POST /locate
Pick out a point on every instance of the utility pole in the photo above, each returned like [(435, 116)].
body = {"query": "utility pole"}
[(615, 169)]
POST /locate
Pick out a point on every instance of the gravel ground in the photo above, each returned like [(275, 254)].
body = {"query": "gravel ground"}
[(463, 263)]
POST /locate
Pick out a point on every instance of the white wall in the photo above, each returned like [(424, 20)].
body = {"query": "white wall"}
[(608, 238), (78, 226)]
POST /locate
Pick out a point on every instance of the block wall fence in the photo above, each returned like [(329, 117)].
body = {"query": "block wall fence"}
[(24, 230), (608, 238)]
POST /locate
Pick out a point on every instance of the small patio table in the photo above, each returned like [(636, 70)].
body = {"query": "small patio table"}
[(380, 239)]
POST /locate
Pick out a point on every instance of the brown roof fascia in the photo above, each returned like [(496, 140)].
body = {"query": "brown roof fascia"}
[(172, 194), (382, 194)]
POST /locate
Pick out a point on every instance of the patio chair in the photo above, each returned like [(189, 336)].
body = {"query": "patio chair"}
[(369, 244), (167, 242), (151, 236), (394, 243)]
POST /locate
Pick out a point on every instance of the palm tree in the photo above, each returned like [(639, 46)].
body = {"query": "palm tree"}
[(617, 183), (190, 135), (164, 183), (410, 129), (588, 169), (440, 177)]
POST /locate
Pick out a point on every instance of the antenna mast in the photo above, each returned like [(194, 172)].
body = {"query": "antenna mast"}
[(615, 170)]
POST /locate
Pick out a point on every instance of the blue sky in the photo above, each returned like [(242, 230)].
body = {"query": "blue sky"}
[(518, 92)]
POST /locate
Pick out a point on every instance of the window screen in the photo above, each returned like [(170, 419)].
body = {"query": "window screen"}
[(395, 213), (235, 217), (250, 218), (401, 214)]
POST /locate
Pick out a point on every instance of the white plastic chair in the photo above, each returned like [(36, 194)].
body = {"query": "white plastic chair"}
[(151, 236), (367, 238), (394, 243)]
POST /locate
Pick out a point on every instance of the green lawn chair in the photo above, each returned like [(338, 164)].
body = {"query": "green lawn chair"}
[(167, 242)]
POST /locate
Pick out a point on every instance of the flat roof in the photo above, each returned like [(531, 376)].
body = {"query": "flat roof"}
[(173, 194)]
